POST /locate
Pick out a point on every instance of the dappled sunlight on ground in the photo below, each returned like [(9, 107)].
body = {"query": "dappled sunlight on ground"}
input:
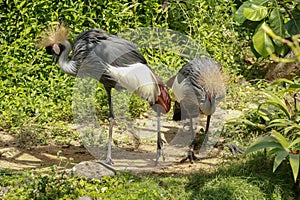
[(134, 158)]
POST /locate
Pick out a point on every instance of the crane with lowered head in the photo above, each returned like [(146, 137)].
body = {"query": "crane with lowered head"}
[(198, 87)]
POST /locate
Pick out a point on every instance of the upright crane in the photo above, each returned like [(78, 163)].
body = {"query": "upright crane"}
[(112, 61)]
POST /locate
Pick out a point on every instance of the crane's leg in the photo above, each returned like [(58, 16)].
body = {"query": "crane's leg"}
[(191, 156), (160, 150), (110, 132), (207, 124)]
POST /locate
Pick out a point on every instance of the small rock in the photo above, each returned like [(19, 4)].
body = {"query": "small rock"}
[(93, 170)]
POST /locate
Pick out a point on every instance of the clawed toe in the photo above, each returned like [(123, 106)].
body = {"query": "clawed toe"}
[(159, 153), (108, 161), (191, 156), (235, 150)]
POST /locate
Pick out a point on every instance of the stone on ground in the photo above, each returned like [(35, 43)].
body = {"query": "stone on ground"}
[(92, 170)]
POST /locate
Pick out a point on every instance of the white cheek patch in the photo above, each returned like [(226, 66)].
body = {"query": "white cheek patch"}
[(56, 49)]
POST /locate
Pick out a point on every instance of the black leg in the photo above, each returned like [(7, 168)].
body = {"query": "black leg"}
[(207, 124)]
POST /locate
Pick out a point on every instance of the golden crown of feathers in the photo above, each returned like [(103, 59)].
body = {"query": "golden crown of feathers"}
[(53, 34)]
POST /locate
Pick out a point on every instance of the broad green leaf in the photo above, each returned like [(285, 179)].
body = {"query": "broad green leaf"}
[(274, 151), (294, 162), (277, 102), (283, 80), (262, 143), (263, 115), (255, 12), (293, 26), (258, 2), (281, 48), (277, 25), (247, 122), (294, 86), (239, 16), (279, 158), (294, 142), (280, 138), (262, 41)]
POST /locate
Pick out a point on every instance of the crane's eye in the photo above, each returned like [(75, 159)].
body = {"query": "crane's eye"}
[(49, 50)]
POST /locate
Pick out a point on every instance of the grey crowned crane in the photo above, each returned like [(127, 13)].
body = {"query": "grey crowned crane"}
[(112, 61), (197, 87)]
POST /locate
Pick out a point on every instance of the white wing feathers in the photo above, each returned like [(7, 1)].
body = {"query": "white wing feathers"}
[(137, 78), (180, 89)]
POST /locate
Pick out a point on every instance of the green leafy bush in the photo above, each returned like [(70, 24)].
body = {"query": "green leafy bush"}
[(277, 121), (34, 91), (282, 16)]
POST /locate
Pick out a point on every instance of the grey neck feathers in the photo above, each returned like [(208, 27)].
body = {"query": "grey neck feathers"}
[(66, 66)]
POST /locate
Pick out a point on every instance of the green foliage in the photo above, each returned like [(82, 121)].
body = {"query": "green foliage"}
[(247, 178), (37, 93), (281, 148), (282, 16), (279, 124)]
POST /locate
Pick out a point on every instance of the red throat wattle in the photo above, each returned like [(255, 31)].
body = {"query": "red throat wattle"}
[(164, 99), (208, 97)]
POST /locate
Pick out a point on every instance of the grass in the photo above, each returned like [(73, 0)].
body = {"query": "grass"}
[(248, 177)]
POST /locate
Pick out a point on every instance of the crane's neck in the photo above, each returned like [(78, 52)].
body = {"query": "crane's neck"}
[(69, 67)]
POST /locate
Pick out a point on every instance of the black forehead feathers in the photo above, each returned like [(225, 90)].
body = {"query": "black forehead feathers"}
[(49, 50)]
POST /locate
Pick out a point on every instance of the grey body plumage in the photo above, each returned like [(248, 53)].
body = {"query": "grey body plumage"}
[(114, 62), (198, 84), (198, 88)]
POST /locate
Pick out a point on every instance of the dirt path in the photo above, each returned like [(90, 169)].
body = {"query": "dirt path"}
[(132, 158), (140, 161)]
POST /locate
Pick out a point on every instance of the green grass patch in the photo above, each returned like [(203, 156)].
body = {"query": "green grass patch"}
[(250, 177)]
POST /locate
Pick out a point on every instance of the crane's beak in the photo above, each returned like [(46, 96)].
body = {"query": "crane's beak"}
[(56, 52), (53, 50)]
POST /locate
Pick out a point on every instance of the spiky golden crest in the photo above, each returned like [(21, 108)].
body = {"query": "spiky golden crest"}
[(213, 80), (53, 35)]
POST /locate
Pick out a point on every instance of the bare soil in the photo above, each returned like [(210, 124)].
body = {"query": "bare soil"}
[(138, 161), (132, 158)]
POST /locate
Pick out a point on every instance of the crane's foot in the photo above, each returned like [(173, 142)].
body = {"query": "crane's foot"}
[(191, 156), (160, 152), (235, 150), (108, 161)]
